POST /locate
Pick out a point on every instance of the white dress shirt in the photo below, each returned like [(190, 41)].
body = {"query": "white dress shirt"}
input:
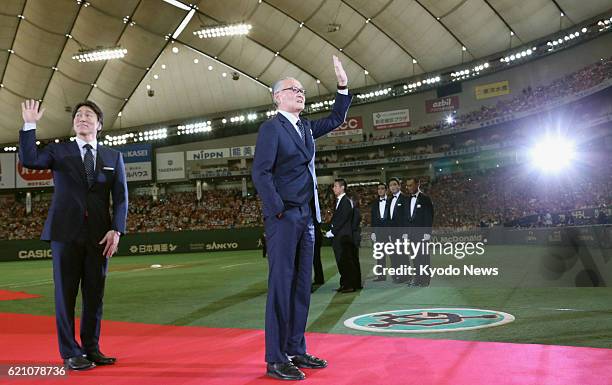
[(381, 206), (393, 203), (413, 201)]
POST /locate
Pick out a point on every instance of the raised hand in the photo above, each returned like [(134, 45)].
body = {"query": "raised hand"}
[(340, 74), (30, 112)]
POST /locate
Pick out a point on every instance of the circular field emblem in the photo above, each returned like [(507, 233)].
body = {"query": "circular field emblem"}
[(428, 320)]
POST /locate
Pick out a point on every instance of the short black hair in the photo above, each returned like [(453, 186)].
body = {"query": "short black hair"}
[(93, 106), (394, 179), (414, 178), (342, 182), (381, 183)]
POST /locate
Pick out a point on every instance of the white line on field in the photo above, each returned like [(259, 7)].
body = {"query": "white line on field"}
[(238, 264)]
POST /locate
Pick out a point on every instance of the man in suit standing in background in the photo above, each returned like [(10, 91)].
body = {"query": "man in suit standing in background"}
[(419, 214), (284, 175), (79, 226), (397, 223), (341, 231), (379, 218)]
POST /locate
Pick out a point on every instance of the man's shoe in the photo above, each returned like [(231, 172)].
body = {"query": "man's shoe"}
[(379, 278), (348, 290), (78, 363), (339, 288), (284, 371), (100, 359), (308, 361)]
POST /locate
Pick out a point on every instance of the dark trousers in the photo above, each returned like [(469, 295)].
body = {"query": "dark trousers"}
[(382, 236), (317, 264), (357, 268), (290, 243), (79, 262), (344, 251), (422, 258)]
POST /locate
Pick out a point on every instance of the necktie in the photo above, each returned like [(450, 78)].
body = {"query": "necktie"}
[(300, 127), (88, 161)]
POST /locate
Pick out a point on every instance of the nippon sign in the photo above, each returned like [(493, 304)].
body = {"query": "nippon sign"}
[(27, 178), (391, 119), (215, 153), (352, 126), (449, 103)]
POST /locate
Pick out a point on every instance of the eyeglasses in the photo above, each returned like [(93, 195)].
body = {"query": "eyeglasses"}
[(295, 90)]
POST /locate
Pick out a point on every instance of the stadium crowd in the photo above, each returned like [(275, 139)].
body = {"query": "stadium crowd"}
[(528, 99), (486, 198)]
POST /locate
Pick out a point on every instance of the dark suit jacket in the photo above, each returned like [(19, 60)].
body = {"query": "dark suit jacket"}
[(376, 220), (280, 168), (356, 226), (422, 216), (73, 199), (341, 222), (399, 213)]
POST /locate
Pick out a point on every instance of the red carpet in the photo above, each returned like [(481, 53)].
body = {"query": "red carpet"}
[(7, 295), (170, 355)]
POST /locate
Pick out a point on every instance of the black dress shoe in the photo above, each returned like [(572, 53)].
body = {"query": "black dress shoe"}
[(348, 290), (339, 288), (100, 359), (308, 361), (284, 371), (379, 278), (78, 363)]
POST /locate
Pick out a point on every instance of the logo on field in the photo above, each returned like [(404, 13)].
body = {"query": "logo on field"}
[(428, 320)]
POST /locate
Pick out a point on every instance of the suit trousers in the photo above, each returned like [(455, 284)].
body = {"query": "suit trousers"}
[(78, 262), (290, 242)]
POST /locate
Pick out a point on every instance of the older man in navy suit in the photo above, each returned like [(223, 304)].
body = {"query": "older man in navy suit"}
[(284, 176), (79, 226)]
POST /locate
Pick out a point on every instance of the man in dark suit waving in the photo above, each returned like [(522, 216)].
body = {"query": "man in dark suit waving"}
[(82, 233), (284, 176)]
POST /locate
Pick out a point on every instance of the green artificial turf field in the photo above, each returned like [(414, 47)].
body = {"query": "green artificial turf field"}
[(228, 289)]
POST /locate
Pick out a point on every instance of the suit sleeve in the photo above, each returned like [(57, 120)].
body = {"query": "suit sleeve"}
[(30, 156), (405, 212), (337, 116), (429, 213), (264, 162), (120, 196)]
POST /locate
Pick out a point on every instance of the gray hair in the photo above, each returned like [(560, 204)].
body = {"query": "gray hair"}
[(277, 86)]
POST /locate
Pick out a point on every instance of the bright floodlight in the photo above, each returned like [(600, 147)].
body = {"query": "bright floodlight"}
[(100, 54), (450, 120), (553, 154)]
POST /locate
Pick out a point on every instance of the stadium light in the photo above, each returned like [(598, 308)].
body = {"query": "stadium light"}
[(100, 54), (553, 154), (223, 30)]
